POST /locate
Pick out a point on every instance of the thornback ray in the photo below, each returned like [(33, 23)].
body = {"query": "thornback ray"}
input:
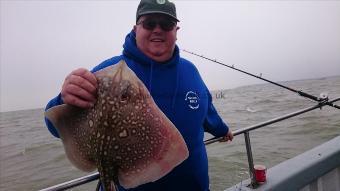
[(125, 135)]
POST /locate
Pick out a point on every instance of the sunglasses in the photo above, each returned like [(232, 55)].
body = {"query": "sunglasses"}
[(165, 24)]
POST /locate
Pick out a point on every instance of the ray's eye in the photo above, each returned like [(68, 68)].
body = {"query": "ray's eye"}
[(124, 92), (124, 97)]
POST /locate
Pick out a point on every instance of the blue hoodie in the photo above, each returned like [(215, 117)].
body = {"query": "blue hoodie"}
[(179, 91)]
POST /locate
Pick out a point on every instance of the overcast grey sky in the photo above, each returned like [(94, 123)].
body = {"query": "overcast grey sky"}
[(42, 41)]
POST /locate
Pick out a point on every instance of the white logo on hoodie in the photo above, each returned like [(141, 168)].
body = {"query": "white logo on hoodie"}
[(192, 99)]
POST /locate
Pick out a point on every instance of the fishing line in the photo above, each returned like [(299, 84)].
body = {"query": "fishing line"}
[(299, 92)]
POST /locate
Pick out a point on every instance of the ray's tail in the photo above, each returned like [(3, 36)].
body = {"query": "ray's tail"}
[(108, 179)]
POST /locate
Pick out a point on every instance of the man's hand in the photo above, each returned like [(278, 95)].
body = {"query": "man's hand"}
[(80, 88), (228, 137)]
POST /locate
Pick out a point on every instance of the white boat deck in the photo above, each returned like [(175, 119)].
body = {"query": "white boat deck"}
[(315, 170)]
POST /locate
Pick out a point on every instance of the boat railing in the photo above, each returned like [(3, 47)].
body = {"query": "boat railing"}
[(245, 131)]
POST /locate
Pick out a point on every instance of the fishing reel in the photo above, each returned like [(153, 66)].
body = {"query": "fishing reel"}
[(323, 98)]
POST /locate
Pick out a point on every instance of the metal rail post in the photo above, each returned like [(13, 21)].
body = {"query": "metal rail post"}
[(250, 159)]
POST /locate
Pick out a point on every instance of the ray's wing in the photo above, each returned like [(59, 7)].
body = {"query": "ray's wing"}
[(155, 144), (68, 121), (161, 154)]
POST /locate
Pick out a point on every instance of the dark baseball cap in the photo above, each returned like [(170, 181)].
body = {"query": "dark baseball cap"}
[(156, 6)]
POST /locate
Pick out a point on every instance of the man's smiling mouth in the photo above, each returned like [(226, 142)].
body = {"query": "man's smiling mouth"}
[(157, 40)]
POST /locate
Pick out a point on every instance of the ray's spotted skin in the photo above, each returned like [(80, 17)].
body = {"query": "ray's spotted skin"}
[(125, 135)]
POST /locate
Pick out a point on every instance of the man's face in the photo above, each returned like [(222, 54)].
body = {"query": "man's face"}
[(156, 36)]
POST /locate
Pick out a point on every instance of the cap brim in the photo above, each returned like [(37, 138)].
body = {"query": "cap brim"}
[(159, 12)]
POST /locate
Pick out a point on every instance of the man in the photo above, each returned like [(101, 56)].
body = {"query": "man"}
[(150, 50)]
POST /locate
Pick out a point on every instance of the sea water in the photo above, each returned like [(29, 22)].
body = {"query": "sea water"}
[(32, 159)]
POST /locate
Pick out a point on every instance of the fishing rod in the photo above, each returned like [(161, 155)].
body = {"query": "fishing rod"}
[(299, 92)]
